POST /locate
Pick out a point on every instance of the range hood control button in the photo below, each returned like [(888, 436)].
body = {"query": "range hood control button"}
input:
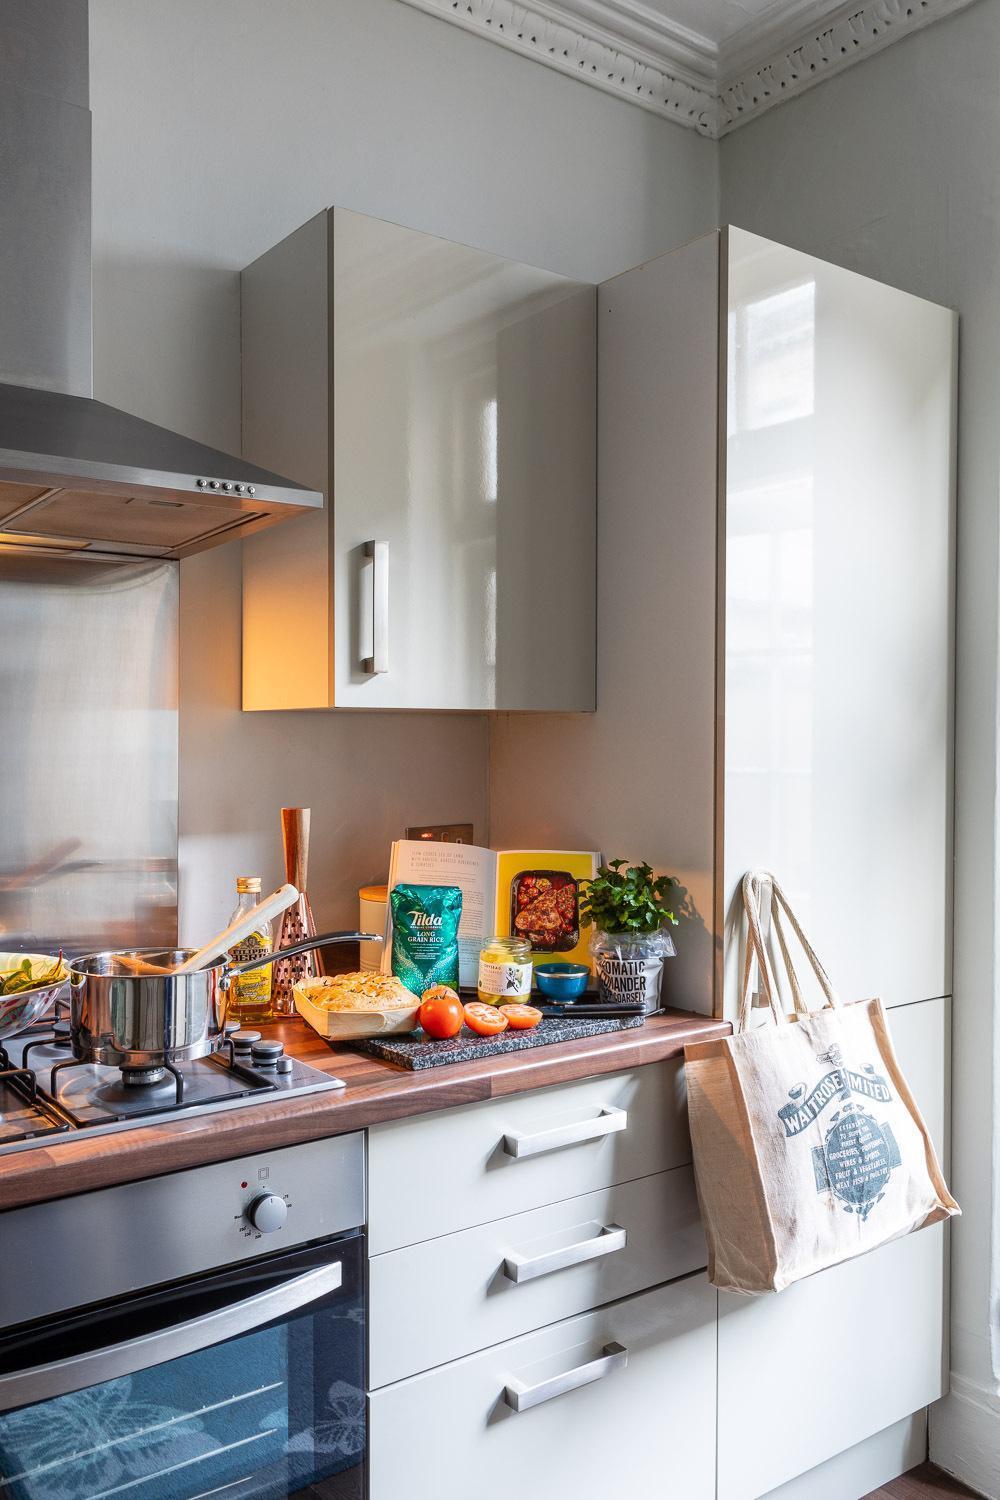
[(227, 485), (267, 1212), (202, 483), (213, 484), (251, 489)]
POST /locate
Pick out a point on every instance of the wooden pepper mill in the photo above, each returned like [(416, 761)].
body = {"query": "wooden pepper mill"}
[(297, 922)]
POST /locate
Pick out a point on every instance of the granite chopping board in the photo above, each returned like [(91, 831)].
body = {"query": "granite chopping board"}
[(419, 1051)]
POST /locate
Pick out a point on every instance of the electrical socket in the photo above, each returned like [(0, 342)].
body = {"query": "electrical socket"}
[(442, 833)]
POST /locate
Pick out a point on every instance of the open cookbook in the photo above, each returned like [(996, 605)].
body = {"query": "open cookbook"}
[(528, 893)]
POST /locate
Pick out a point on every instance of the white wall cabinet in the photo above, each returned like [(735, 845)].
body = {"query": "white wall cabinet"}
[(444, 399)]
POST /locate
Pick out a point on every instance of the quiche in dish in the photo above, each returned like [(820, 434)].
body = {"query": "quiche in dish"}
[(350, 1006)]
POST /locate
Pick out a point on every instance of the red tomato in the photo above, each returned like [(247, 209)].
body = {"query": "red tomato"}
[(484, 1020), (440, 1012), (521, 1017)]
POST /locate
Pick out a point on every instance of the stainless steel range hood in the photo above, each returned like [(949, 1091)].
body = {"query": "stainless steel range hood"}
[(77, 476)]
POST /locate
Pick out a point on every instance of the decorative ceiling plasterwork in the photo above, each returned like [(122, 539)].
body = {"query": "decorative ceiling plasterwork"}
[(628, 49)]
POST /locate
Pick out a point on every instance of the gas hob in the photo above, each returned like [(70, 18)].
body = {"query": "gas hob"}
[(45, 1093)]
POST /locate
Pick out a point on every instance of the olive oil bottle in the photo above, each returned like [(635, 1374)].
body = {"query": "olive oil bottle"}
[(250, 999)]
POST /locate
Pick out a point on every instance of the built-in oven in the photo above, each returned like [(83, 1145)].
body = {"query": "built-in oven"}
[(241, 1375)]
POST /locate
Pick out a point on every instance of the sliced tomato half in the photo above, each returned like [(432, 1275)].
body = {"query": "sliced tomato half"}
[(521, 1017), (485, 1020)]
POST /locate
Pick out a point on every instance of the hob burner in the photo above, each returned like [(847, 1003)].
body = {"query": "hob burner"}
[(140, 1078), (150, 1086)]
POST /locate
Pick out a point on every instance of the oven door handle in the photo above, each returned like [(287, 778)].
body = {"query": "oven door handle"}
[(94, 1366)]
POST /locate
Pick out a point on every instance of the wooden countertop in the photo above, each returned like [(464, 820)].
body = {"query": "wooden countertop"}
[(375, 1091)]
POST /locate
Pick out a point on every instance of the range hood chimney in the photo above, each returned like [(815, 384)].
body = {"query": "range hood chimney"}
[(77, 477)]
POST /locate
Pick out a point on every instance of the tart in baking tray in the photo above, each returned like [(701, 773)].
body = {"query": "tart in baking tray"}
[(362, 1004)]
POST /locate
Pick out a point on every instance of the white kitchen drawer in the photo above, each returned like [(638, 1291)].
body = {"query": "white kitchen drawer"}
[(567, 1258), (644, 1429), (453, 1169)]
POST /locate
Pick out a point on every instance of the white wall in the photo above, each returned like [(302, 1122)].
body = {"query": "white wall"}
[(221, 125), (891, 169)]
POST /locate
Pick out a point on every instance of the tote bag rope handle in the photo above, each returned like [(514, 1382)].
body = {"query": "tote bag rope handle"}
[(756, 948), (754, 883), (782, 904)]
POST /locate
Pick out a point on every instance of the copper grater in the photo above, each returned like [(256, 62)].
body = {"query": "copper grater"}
[(297, 923)]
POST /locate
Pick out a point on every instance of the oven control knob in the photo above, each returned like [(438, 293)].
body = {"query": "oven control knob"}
[(267, 1212)]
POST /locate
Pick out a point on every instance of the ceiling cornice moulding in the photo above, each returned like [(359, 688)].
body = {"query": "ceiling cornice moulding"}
[(838, 37), (626, 48), (555, 35)]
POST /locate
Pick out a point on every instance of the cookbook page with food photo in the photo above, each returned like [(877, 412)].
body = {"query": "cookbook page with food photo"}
[(538, 899), (532, 894)]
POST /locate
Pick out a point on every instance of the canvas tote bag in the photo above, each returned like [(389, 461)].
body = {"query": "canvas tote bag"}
[(809, 1148)]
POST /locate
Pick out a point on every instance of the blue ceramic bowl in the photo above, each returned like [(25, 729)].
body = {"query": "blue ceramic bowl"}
[(562, 981)]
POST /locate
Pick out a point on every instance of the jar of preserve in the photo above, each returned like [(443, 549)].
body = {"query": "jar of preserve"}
[(505, 970)]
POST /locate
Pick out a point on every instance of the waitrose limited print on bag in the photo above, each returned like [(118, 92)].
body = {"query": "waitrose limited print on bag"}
[(809, 1148)]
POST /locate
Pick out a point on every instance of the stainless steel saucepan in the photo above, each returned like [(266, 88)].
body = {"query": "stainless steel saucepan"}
[(138, 1020)]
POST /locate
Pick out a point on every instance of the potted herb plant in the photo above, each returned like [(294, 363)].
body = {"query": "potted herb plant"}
[(626, 906)]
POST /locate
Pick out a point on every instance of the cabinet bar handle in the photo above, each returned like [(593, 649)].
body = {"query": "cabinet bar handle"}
[(608, 1239), (379, 659), (518, 1143), (520, 1397)]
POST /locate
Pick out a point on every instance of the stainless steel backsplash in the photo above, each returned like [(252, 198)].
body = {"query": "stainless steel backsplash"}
[(88, 764)]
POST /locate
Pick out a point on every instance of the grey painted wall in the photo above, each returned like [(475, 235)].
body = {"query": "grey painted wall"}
[(891, 169), (218, 129)]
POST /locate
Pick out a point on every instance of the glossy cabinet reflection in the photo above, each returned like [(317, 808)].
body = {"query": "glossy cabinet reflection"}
[(444, 399), (838, 612), (777, 432)]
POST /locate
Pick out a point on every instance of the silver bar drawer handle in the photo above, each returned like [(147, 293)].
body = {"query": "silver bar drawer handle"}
[(610, 1119), (379, 659), (520, 1397), (609, 1238)]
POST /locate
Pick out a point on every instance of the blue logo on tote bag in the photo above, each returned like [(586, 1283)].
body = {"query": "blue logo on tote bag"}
[(859, 1153)]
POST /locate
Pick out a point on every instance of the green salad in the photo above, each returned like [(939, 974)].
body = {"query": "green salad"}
[(24, 977)]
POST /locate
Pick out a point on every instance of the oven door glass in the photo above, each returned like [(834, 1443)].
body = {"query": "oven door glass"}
[(247, 1384)]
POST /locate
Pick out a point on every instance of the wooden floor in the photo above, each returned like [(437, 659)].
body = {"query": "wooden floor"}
[(926, 1483)]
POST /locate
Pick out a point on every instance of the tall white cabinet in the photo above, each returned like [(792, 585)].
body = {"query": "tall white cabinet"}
[(779, 434)]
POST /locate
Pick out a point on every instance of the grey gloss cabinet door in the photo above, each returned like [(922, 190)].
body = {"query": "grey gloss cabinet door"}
[(445, 400)]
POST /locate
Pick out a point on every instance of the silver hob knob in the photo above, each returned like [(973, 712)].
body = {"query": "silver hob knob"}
[(267, 1212)]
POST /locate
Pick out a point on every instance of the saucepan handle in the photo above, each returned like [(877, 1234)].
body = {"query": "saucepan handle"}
[(230, 970)]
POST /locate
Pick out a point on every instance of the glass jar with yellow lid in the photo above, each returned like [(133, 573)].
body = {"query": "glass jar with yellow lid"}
[(505, 970)]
